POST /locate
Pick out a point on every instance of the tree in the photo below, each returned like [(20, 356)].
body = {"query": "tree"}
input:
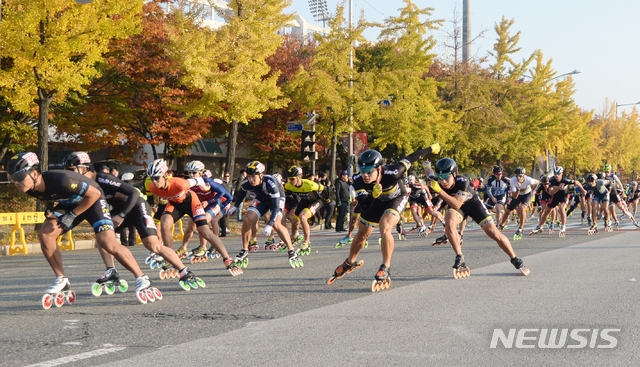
[(138, 98), (229, 64), (52, 47)]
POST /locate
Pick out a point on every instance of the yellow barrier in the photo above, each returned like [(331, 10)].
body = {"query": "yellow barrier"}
[(176, 236), (17, 219)]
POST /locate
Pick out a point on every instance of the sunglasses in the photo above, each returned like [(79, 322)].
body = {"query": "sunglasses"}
[(519, 176), (19, 176), (193, 172), (366, 169), (443, 176), (156, 178), (498, 174)]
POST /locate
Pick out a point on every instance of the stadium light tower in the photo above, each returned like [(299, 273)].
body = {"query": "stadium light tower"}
[(320, 11)]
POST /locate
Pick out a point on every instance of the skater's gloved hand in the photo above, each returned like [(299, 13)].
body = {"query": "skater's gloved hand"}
[(435, 148), (435, 186), (267, 230), (232, 210), (66, 220), (377, 190), (426, 163)]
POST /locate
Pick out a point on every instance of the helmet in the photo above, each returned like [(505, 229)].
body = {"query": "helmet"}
[(520, 170), (195, 166), (634, 183), (20, 165), (157, 168), (76, 159), (558, 170), (497, 169), (411, 179), (278, 177), (294, 171), (127, 176), (606, 167), (206, 173), (544, 178), (599, 176), (255, 168), (581, 180), (445, 167), (369, 160)]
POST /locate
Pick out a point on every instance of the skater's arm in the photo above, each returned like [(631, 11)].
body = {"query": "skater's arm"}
[(455, 201), (88, 199), (413, 157)]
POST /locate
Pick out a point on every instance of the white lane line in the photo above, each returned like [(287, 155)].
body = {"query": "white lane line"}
[(77, 357)]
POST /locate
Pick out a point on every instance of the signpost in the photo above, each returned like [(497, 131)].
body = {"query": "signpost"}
[(293, 127), (308, 148)]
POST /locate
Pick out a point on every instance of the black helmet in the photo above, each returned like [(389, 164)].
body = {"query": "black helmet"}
[(497, 169), (591, 177), (446, 166), (20, 165), (369, 160), (255, 168), (544, 178), (294, 171), (76, 159), (520, 170)]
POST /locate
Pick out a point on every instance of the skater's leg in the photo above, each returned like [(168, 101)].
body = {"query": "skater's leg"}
[(451, 220), (563, 214), (48, 234), (283, 233), (492, 231), (249, 223), (205, 232), (166, 224), (188, 233), (522, 215), (215, 223), (304, 223), (107, 241), (107, 258), (152, 243), (357, 245), (387, 222)]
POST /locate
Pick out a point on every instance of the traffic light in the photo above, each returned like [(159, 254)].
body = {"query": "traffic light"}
[(308, 148)]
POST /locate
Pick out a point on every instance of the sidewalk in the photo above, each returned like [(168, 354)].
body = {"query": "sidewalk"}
[(444, 321)]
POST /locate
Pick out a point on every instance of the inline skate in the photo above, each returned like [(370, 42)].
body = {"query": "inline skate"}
[(345, 268), (58, 293), (145, 292), (294, 260), (460, 268), (189, 281), (519, 264), (108, 282), (382, 280)]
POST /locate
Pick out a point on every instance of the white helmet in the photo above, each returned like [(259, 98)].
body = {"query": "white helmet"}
[(411, 179), (127, 176), (207, 173), (157, 168), (195, 166)]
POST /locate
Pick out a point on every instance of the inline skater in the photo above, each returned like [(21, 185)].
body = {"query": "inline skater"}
[(558, 186), (457, 192), (309, 197), (633, 196), (181, 200), (128, 208), (382, 197), (418, 202), (77, 198), (215, 199), (269, 196), (520, 190), (496, 188), (615, 199), (599, 189)]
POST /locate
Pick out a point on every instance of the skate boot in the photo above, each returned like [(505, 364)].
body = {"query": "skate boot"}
[(519, 264), (294, 260), (344, 240), (253, 245), (145, 292), (502, 227), (270, 244), (402, 235), (213, 253), (199, 255), (607, 226), (442, 240), (423, 232), (305, 249), (182, 253), (232, 264), (59, 292), (382, 280), (563, 231), (589, 221), (242, 260), (635, 223), (189, 281), (294, 241), (150, 256), (593, 230), (460, 269), (414, 229), (618, 225), (168, 271), (536, 230), (345, 268), (518, 235), (551, 228), (109, 281)]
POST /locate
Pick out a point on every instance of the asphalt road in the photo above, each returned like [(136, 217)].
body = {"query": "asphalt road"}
[(97, 330)]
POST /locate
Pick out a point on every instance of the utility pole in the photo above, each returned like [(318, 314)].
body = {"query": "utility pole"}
[(466, 30), (350, 167)]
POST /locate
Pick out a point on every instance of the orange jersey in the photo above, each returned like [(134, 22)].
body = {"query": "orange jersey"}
[(176, 191)]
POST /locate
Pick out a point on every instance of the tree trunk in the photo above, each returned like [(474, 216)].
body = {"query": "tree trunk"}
[(231, 147), (5, 145), (334, 145), (44, 101)]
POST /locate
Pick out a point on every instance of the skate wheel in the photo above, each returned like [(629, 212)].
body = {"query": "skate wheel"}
[(206, 258), (193, 260), (200, 283), (150, 295), (147, 260), (525, 271), (59, 300), (123, 286), (455, 274), (157, 293), (375, 286), (152, 264), (142, 296), (161, 274), (331, 280), (110, 288), (245, 263), (47, 301), (71, 297), (96, 289), (184, 285), (193, 284)]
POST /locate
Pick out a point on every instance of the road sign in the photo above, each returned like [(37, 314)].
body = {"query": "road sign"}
[(294, 127)]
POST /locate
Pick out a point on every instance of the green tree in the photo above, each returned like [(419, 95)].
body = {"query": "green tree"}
[(52, 47)]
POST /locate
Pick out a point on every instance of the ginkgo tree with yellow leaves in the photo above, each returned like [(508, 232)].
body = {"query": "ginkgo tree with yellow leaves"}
[(52, 46)]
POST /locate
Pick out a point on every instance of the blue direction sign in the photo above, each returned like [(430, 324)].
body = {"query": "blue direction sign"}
[(294, 127)]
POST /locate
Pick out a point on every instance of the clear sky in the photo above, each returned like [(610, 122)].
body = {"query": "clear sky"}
[(595, 37)]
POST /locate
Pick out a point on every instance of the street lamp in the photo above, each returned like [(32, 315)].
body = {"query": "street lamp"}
[(626, 104), (566, 74)]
